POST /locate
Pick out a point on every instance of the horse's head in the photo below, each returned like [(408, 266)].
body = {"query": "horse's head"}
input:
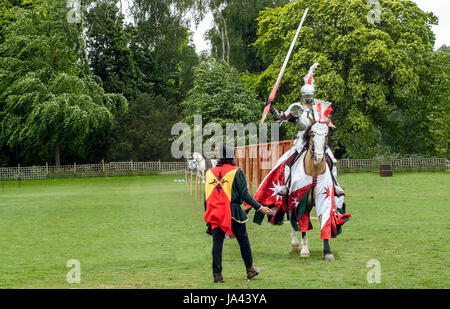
[(318, 132), (318, 141)]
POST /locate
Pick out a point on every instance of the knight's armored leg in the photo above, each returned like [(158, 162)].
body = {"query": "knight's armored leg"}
[(339, 189), (284, 192), (333, 159), (297, 149), (287, 170)]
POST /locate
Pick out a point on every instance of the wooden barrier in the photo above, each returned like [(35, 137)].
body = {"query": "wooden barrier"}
[(194, 184), (258, 160), (196, 187), (191, 182)]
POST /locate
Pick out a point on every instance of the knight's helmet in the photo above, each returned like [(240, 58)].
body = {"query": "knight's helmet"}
[(309, 90)]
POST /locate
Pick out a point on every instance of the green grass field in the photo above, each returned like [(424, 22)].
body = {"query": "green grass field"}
[(148, 232)]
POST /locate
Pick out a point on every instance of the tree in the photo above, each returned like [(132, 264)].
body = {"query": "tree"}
[(439, 116), (369, 71), (49, 101), (164, 58), (5, 16), (110, 57), (220, 97), (144, 133), (161, 46), (236, 30)]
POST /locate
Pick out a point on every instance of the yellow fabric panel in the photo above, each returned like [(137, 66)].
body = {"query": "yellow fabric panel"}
[(226, 183), (209, 178)]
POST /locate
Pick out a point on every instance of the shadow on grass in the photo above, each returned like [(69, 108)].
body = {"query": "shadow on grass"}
[(290, 255), (315, 255)]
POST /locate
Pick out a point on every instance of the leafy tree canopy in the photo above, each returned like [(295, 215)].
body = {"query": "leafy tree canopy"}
[(235, 32), (220, 97), (369, 71), (49, 101)]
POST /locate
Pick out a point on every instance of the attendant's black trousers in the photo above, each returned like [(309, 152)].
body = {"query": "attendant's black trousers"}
[(240, 231)]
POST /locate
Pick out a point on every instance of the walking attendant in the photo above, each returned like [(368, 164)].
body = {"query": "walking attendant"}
[(225, 191)]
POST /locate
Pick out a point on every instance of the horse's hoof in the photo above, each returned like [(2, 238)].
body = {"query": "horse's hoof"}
[(295, 247), (329, 257), (305, 253)]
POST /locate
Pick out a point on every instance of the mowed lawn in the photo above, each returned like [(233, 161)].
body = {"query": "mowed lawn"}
[(148, 232)]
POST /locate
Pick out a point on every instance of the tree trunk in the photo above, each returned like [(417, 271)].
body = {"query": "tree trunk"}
[(83, 46), (223, 44), (225, 39), (228, 40), (57, 156)]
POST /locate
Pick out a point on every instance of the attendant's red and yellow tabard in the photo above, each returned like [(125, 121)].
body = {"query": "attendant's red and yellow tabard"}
[(218, 191)]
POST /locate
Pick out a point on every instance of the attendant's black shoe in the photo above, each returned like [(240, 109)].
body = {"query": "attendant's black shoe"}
[(252, 272), (218, 278)]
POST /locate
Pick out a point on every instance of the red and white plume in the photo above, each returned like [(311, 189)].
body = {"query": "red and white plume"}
[(309, 78), (322, 111)]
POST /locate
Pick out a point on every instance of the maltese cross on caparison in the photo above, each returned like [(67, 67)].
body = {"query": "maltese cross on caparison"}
[(327, 192), (277, 188)]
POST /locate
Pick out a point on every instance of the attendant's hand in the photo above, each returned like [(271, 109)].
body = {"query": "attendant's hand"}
[(267, 211)]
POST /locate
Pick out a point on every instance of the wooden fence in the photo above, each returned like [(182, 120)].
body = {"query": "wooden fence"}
[(93, 170), (255, 160), (397, 165)]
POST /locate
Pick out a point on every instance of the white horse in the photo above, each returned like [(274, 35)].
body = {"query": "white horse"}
[(308, 182), (192, 166), (203, 165), (313, 165), (312, 171)]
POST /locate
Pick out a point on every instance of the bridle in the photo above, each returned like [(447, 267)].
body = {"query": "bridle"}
[(311, 140)]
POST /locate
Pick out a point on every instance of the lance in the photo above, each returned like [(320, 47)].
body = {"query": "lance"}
[(271, 99)]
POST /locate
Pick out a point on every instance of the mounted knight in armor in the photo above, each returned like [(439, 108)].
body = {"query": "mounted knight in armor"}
[(306, 175), (302, 114)]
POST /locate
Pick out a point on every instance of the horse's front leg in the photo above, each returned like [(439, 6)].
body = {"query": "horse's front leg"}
[(304, 246), (295, 243), (327, 254), (300, 246)]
